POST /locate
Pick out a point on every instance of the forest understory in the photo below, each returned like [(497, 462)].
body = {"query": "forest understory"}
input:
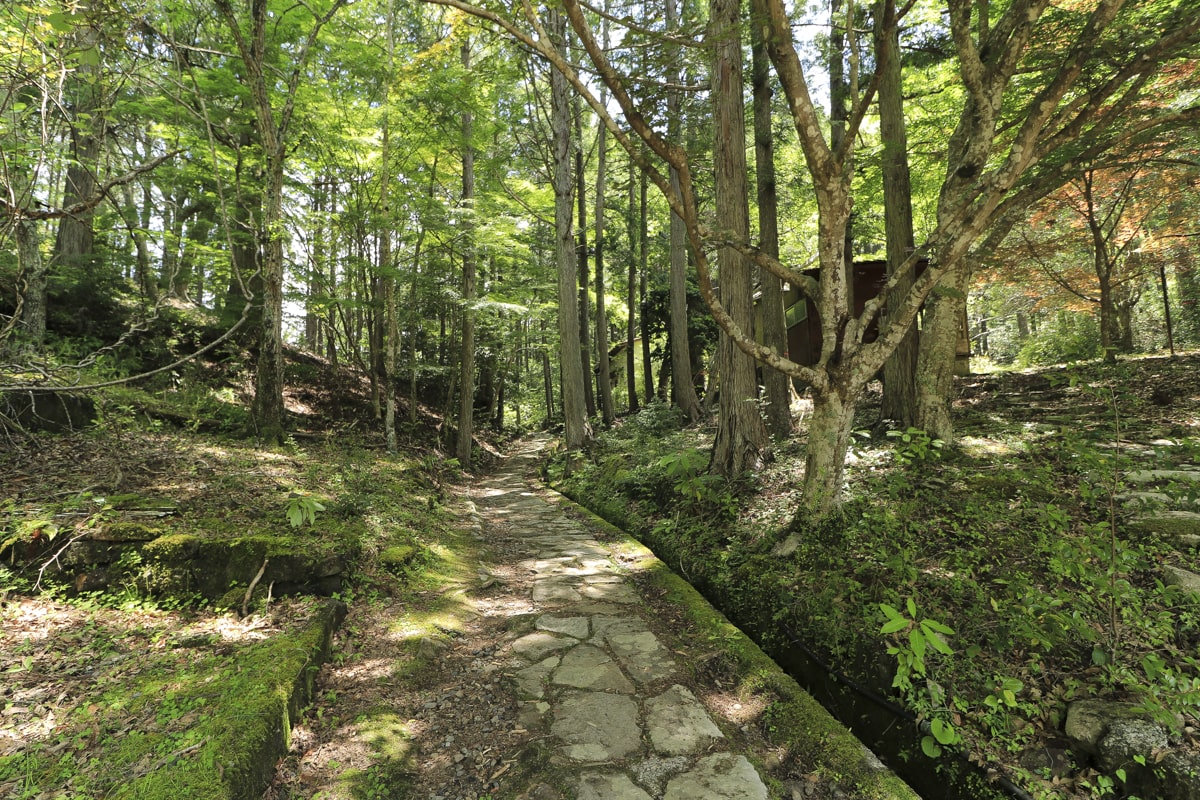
[(1002, 538)]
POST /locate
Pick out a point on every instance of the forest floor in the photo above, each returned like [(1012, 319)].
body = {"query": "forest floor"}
[(82, 700)]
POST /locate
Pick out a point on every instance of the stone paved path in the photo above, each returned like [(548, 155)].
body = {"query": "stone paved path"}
[(594, 675)]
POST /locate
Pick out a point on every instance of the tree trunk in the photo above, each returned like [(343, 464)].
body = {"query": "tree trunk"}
[(1109, 327), (683, 388), (466, 387), (31, 272), (577, 431), (1125, 323), (387, 274), (141, 251), (777, 390), (631, 223), (899, 371), (741, 438), (316, 271), (644, 289), (75, 242), (825, 458), (273, 126), (937, 351), (582, 261), (604, 367), (268, 386)]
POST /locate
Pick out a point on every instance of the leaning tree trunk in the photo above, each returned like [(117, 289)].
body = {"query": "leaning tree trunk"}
[(741, 438)]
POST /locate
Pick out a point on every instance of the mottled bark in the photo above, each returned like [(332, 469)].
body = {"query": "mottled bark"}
[(936, 354), (829, 430)]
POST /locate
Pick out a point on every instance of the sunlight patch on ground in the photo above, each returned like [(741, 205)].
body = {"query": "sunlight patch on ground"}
[(984, 446), (252, 628)]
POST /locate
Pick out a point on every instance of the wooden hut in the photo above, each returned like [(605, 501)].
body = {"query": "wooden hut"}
[(804, 324)]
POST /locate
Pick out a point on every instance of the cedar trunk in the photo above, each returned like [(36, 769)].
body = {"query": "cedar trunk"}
[(741, 438)]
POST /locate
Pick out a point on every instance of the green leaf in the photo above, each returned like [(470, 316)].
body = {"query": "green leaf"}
[(917, 641), (930, 747), (890, 612), (937, 626), (912, 608), (59, 21), (295, 515), (944, 732), (893, 625), (938, 642)]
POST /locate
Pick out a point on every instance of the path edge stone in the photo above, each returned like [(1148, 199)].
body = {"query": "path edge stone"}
[(801, 723)]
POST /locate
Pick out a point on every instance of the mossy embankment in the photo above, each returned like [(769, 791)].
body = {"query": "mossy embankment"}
[(141, 663), (174, 705)]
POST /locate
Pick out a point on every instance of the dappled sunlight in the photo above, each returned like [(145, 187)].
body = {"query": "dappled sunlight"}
[(984, 447)]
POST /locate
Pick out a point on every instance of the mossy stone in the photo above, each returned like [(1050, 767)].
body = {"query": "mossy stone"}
[(397, 556)]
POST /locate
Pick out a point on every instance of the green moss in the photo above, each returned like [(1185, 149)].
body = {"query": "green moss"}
[(252, 703), (121, 531), (1173, 527), (174, 547), (397, 556)]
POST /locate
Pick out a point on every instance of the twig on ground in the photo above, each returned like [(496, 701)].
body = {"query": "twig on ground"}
[(250, 588)]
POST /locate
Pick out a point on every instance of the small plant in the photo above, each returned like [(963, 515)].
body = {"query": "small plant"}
[(301, 509), (910, 652), (698, 488), (915, 446), (921, 635)]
